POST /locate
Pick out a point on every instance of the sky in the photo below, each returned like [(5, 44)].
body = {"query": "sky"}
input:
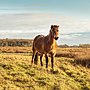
[(27, 18)]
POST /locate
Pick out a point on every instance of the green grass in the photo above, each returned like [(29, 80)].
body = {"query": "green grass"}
[(17, 73)]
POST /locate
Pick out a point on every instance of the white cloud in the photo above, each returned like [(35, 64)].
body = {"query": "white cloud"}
[(39, 21), (29, 25)]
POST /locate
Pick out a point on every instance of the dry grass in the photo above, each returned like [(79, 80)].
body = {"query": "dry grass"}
[(16, 49), (17, 73), (83, 60), (65, 54), (80, 55), (73, 51)]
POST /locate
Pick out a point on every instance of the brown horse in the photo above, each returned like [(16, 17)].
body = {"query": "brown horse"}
[(45, 45)]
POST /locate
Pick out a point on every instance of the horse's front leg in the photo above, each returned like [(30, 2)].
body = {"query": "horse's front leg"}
[(52, 60), (46, 60)]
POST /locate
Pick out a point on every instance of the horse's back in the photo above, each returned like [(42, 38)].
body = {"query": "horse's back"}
[(38, 37)]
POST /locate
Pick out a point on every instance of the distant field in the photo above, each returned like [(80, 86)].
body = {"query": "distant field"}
[(17, 73), (16, 49), (80, 55)]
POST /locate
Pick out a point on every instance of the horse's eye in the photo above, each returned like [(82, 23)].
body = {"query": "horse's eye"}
[(57, 30)]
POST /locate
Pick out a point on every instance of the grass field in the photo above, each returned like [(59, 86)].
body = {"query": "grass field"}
[(17, 73)]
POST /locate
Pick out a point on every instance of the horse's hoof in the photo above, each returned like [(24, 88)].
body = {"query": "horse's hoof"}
[(41, 64), (52, 70)]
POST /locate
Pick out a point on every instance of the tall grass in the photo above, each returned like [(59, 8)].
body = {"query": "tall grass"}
[(81, 55), (83, 60)]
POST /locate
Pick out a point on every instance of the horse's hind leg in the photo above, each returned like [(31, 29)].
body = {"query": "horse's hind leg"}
[(46, 60), (41, 59), (36, 58)]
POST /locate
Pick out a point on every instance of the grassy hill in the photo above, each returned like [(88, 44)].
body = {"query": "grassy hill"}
[(17, 73)]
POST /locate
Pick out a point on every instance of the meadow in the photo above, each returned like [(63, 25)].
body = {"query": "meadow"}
[(71, 70)]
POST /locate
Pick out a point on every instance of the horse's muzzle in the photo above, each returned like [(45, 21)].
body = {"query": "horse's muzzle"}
[(56, 38)]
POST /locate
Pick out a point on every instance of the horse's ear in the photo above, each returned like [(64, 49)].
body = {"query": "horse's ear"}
[(58, 26), (51, 26)]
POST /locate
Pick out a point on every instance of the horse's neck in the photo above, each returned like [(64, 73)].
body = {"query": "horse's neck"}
[(51, 40)]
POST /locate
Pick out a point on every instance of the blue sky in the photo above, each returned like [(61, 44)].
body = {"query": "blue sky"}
[(35, 17), (72, 7)]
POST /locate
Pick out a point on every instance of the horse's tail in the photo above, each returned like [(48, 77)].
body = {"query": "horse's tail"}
[(33, 48), (33, 52), (35, 55)]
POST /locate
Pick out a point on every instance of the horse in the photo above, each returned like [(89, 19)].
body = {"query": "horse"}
[(45, 45)]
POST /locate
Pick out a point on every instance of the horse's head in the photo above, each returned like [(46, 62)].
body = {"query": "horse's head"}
[(54, 32)]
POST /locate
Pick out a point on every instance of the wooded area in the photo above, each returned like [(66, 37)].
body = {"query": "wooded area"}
[(16, 42)]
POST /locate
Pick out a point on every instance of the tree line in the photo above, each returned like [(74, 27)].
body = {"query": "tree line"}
[(16, 42), (75, 46), (28, 42)]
